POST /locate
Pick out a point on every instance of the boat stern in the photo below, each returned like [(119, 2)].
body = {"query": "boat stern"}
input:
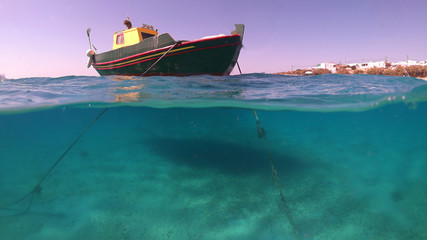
[(240, 30)]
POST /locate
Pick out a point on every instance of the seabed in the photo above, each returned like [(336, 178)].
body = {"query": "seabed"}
[(144, 173)]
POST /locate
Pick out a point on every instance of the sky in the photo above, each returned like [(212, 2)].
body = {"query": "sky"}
[(47, 38)]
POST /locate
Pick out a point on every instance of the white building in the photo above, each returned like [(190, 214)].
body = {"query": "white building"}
[(405, 63), (412, 62), (326, 65), (366, 65), (370, 64)]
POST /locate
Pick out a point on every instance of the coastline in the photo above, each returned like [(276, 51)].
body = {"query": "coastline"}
[(290, 74), (416, 71)]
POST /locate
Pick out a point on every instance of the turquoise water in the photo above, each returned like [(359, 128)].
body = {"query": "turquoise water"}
[(180, 158)]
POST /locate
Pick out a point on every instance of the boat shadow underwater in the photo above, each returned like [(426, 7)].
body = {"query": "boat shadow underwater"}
[(226, 157)]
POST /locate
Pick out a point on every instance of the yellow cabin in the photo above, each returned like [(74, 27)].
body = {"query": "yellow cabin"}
[(133, 36)]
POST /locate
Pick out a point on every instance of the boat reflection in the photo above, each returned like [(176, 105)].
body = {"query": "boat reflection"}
[(133, 93)]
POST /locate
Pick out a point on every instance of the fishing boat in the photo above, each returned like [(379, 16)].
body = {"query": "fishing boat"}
[(141, 51)]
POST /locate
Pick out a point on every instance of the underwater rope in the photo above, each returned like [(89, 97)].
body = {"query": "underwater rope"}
[(37, 188), (261, 135), (160, 58)]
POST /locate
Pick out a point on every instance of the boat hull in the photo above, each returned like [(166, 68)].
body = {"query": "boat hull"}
[(214, 56)]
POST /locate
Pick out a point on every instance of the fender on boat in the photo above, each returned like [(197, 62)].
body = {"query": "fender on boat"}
[(90, 53)]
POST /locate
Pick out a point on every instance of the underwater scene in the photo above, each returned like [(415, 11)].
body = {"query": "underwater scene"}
[(253, 156)]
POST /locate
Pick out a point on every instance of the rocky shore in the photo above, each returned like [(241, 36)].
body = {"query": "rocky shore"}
[(417, 71)]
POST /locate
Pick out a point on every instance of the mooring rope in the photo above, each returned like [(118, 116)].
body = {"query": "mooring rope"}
[(238, 66), (160, 58), (37, 188), (261, 135)]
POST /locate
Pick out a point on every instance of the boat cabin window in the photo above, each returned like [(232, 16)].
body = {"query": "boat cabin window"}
[(146, 35), (120, 39)]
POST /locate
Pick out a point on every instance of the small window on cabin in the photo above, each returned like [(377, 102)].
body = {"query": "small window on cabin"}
[(120, 39), (146, 35)]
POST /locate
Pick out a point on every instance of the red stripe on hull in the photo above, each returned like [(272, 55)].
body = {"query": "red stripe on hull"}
[(171, 54), (168, 74), (162, 49)]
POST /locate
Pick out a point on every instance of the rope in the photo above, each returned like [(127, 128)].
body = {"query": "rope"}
[(261, 135), (37, 188), (160, 58), (239, 67)]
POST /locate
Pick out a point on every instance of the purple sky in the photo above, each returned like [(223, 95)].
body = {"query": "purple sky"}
[(48, 37)]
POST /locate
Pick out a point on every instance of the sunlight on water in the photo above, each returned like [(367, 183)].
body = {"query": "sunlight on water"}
[(260, 91)]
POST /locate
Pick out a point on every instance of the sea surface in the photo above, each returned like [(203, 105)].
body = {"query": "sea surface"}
[(342, 157)]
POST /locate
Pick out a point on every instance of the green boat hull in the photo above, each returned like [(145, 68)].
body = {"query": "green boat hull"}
[(163, 56)]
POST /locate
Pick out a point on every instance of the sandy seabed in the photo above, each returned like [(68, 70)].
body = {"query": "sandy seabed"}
[(204, 174)]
